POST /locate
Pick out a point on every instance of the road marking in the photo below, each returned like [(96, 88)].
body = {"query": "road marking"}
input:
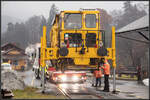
[(139, 97), (32, 81)]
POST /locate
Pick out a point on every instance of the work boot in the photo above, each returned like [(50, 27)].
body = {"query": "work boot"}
[(93, 85), (106, 90)]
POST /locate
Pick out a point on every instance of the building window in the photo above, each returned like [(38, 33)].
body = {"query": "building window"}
[(15, 62), (5, 60)]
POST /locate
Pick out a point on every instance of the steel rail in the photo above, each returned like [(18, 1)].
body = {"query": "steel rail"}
[(86, 89), (91, 93), (64, 92)]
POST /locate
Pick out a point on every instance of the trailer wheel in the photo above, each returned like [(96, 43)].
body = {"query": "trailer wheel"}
[(81, 82), (62, 66)]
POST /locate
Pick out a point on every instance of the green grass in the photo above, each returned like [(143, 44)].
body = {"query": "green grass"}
[(127, 77), (30, 93)]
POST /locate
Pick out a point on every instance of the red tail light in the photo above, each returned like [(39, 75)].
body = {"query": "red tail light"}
[(95, 45), (68, 44)]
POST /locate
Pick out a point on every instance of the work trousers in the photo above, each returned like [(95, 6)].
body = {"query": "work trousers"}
[(93, 80), (106, 82), (98, 81)]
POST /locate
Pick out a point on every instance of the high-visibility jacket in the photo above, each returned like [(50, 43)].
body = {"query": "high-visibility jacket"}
[(98, 73), (44, 68), (106, 68)]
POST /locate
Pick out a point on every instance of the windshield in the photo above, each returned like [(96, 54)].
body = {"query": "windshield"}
[(90, 21), (72, 21)]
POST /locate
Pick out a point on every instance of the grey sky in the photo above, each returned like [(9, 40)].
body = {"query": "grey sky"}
[(23, 9)]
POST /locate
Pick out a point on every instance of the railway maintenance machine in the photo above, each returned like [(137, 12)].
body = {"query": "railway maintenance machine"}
[(76, 41)]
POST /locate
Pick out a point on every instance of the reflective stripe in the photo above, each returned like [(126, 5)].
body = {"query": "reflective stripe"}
[(46, 68), (40, 69)]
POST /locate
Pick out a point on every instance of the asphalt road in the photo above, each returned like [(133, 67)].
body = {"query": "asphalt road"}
[(128, 89)]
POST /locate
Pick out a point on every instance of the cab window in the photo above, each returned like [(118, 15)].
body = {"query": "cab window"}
[(90, 20), (72, 21)]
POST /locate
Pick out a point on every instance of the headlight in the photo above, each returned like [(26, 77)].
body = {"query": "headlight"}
[(75, 78), (63, 78), (83, 78), (63, 86), (55, 78)]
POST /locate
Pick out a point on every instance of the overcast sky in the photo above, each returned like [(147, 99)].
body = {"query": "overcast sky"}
[(25, 9)]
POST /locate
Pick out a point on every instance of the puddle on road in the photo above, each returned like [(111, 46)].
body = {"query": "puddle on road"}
[(128, 92), (84, 97), (118, 83)]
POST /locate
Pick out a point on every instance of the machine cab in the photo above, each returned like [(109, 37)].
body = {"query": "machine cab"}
[(79, 28)]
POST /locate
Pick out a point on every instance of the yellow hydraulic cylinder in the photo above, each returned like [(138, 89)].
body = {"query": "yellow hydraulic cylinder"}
[(44, 37), (113, 48), (41, 52)]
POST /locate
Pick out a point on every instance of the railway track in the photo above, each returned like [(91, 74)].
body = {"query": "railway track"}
[(64, 92), (79, 95)]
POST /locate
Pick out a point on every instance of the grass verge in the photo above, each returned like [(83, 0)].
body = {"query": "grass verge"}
[(30, 93), (125, 77)]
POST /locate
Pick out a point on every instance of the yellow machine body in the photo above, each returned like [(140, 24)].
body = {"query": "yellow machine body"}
[(78, 53)]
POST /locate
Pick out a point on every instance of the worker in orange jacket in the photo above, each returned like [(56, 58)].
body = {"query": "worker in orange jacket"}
[(98, 75), (106, 67)]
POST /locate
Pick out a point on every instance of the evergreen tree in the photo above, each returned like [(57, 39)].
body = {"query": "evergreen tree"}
[(10, 26), (131, 13)]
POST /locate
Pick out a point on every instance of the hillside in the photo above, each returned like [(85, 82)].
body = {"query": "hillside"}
[(6, 19)]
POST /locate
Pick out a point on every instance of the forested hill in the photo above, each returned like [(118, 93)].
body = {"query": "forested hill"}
[(5, 19)]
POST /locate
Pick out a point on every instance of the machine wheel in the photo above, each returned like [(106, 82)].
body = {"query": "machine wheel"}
[(62, 68)]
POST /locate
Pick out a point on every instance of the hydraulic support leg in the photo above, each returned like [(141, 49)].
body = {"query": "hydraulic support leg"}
[(43, 80), (114, 59)]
